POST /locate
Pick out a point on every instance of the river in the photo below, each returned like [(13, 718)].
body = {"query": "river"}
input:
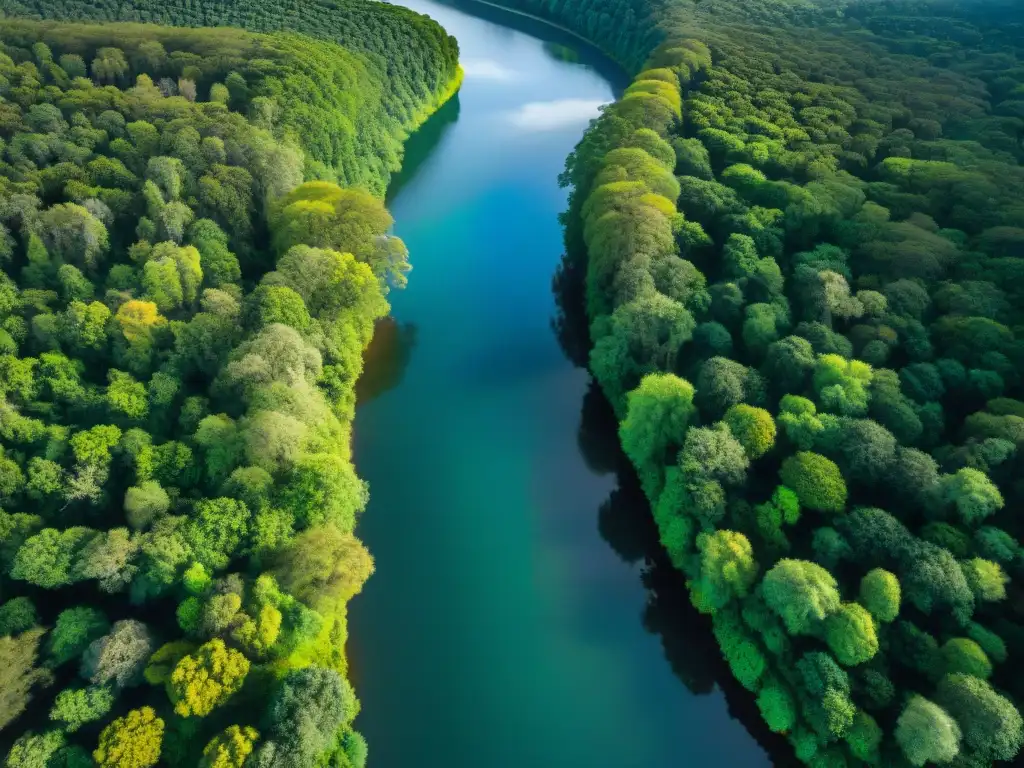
[(512, 621)]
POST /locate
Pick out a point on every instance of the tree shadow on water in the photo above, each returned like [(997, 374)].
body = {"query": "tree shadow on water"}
[(624, 521), (386, 359)]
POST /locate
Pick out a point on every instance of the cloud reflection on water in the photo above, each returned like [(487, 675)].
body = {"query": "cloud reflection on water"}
[(552, 115)]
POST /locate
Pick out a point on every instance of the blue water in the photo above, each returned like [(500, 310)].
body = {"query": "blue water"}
[(501, 629)]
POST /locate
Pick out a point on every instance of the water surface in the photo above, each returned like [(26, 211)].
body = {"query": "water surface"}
[(509, 624)]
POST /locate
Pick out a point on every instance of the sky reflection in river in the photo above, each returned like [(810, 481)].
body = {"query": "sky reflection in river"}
[(554, 115)]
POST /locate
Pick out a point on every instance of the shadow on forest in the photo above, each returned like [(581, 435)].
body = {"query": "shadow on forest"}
[(624, 521)]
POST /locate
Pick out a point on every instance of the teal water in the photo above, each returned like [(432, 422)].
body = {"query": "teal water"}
[(511, 621)]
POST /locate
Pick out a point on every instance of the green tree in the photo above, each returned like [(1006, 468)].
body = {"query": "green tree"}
[(817, 481), (74, 707), (850, 633), (880, 594), (76, 628), (324, 568), (727, 570), (658, 413), (801, 593), (926, 733), (753, 427)]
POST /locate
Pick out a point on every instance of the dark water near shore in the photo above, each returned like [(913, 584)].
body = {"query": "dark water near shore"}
[(515, 619)]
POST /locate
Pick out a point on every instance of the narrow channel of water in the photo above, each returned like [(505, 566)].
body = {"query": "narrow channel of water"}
[(509, 624)]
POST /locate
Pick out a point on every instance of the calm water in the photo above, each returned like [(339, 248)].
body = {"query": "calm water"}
[(509, 622)]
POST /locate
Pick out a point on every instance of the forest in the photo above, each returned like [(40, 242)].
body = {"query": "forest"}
[(195, 251), (799, 236)]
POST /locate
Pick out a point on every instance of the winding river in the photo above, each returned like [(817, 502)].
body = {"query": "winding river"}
[(518, 617)]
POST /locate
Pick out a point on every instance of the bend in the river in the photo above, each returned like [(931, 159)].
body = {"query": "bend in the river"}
[(509, 624)]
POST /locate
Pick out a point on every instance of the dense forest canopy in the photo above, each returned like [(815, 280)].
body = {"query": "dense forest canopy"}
[(801, 238), (388, 48), (185, 298)]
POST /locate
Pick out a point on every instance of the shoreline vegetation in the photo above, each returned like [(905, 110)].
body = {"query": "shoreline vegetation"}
[(195, 251), (799, 241)]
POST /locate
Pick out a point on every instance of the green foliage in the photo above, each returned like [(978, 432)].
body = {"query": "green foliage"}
[(74, 707), (17, 615), (926, 733), (880, 594), (727, 570), (753, 427), (75, 629), (803, 594), (777, 708), (658, 413), (961, 655), (816, 481), (324, 568), (18, 673), (850, 633)]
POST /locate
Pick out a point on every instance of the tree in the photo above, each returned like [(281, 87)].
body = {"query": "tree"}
[(926, 733), (144, 503), (324, 568), (880, 594), (640, 337), (132, 741), (831, 712), (987, 580), (850, 633), (777, 708), (323, 489), (306, 711), (17, 615), (73, 235), (727, 570), (206, 678), (120, 656), (658, 413), (864, 737), (753, 427), (972, 494), (722, 383), (18, 673), (75, 630), (74, 707), (991, 725), (959, 654), (109, 558), (801, 593), (35, 750), (817, 481), (229, 748), (933, 580), (216, 530), (46, 559), (712, 453)]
